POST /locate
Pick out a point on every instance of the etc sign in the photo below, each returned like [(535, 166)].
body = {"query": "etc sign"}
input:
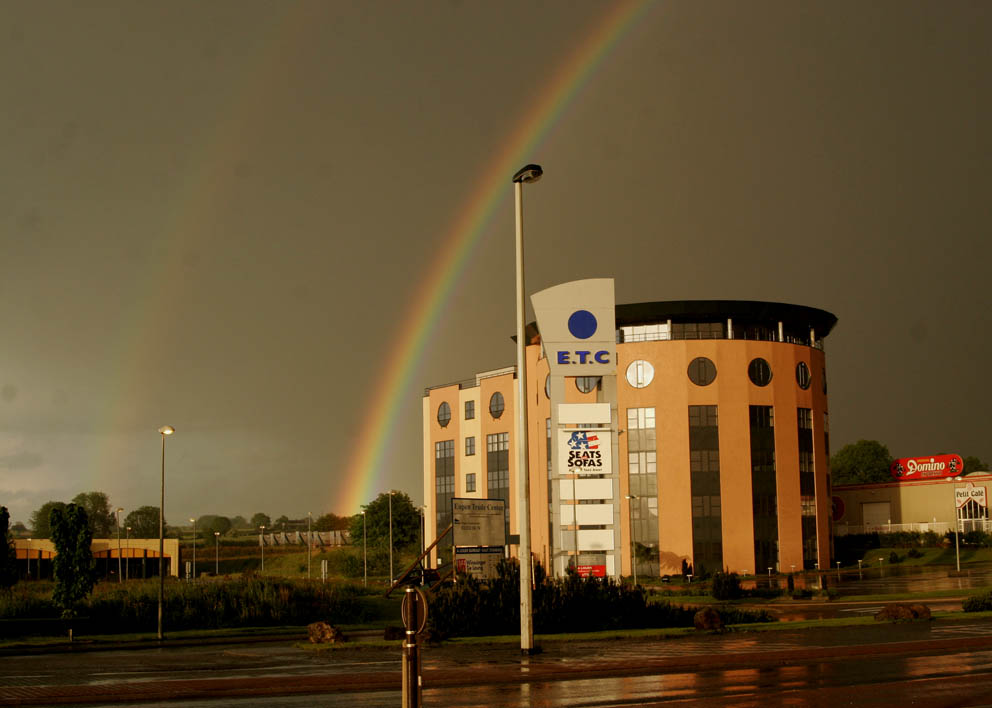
[(577, 321)]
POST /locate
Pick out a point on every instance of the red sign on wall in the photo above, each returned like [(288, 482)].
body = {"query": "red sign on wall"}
[(935, 466), (596, 571)]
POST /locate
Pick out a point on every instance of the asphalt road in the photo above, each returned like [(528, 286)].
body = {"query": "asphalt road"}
[(924, 664)]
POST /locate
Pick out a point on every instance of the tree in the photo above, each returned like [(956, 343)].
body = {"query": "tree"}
[(239, 522), (19, 530), (207, 524), (144, 522), (73, 566), (40, 525), (282, 521), (261, 519), (406, 522), (973, 464), (863, 462), (332, 522), (102, 520), (8, 556)]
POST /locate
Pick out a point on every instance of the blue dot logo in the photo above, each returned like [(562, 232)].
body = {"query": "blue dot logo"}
[(582, 324)]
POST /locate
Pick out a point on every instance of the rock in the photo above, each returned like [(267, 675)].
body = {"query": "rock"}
[(902, 612), (324, 633), (707, 620), (392, 633)]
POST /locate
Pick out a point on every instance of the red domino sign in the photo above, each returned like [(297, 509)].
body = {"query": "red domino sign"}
[(934, 466)]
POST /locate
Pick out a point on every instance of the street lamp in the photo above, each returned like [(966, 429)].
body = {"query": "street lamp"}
[(633, 544), (954, 497), (390, 536), (127, 568), (527, 174), (261, 544), (309, 542), (365, 556), (120, 573), (165, 431), (194, 548), (216, 553)]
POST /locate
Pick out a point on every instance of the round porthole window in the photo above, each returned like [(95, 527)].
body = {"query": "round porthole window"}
[(802, 375), (547, 386), (586, 384), (702, 371), (496, 405), (640, 373), (444, 414), (759, 372)]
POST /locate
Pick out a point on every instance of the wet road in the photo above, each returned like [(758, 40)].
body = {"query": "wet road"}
[(877, 665)]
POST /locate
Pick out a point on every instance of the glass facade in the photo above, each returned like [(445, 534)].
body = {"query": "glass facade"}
[(498, 471), (704, 479), (642, 467), (444, 488), (807, 487), (764, 489)]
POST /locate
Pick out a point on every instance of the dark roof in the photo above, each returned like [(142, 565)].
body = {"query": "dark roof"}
[(720, 310)]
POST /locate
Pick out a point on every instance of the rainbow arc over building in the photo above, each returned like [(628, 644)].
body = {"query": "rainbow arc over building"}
[(365, 471)]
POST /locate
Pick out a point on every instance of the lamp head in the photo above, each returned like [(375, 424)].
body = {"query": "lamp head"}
[(167, 430), (528, 174)]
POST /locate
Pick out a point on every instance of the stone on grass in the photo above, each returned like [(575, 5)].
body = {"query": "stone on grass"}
[(902, 612), (324, 633), (708, 620)]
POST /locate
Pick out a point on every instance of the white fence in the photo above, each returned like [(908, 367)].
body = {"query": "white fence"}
[(321, 539), (938, 527)]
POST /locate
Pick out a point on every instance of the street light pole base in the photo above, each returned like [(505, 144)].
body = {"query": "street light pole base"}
[(533, 651)]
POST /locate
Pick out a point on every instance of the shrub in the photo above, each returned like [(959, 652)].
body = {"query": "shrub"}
[(914, 553), (727, 586), (895, 557), (978, 603)]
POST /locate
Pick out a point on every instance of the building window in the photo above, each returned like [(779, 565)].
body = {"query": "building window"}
[(586, 384), (547, 386), (640, 373), (704, 481), (764, 492), (444, 486), (470, 480), (702, 371), (642, 477), (644, 333), (496, 405), (469, 410), (807, 487), (498, 471), (759, 372), (802, 375), (470, 446), (444, 414)]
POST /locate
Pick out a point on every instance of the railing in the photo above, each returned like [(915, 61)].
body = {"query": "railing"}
[(938, 527)]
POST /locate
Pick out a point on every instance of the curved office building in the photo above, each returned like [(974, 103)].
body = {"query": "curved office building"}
[(721, 444)]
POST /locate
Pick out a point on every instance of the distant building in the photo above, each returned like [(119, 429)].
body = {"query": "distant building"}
[(138, 556), (721, 440)]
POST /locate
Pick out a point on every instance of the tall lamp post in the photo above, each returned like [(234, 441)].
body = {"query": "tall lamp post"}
[(365, 555), (127, 568), (527, 174), (633, 544), (194, 548), (954, 498), (165, 431), (261, 544), (309, 542), (216, 553), (120, 571)]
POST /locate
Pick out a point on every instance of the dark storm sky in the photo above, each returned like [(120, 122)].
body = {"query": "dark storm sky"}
[(214, 215)]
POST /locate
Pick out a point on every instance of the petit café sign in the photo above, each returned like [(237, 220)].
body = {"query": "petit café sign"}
[(963, 495)]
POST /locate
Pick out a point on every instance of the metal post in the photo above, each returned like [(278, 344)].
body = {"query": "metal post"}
[(164, 431), (529, 173), (127, 566), (633, 544), (309, 542), (194, 548), (365, 555), (390, 536), (120, 569), (216, 553), (261, 545), (411, 655)]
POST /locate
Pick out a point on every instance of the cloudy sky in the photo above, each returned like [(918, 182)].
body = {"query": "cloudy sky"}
[(221, 215)]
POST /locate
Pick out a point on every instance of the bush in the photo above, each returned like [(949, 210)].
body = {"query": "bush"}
[(727, 586), (895, 557), (978, 603), (913, 553)]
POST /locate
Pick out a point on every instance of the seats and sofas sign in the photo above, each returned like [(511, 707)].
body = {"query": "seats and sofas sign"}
[(585, 451)]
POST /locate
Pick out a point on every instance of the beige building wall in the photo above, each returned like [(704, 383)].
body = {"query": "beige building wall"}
[(920, 502)]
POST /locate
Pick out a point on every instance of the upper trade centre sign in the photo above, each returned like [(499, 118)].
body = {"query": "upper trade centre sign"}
[(577, 321)]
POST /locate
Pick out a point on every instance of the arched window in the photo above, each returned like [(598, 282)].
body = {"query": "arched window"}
[(802, 375), (585, 384), (497, 405)]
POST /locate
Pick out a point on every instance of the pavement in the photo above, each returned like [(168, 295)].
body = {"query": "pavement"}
[(179, 673)]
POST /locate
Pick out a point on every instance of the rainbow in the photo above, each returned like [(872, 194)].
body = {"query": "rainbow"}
[(365, 471)]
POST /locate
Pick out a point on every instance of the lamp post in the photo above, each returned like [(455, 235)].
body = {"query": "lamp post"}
[(390, 536), (365, 555), (261, 544), (165, 431), (120, 570), (194, 548), (527, 174), (309, 542), (216, 553), (633, 544), (954, 498), (127, 568)]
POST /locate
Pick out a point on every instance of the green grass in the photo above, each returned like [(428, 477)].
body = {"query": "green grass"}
[(929, 556)]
